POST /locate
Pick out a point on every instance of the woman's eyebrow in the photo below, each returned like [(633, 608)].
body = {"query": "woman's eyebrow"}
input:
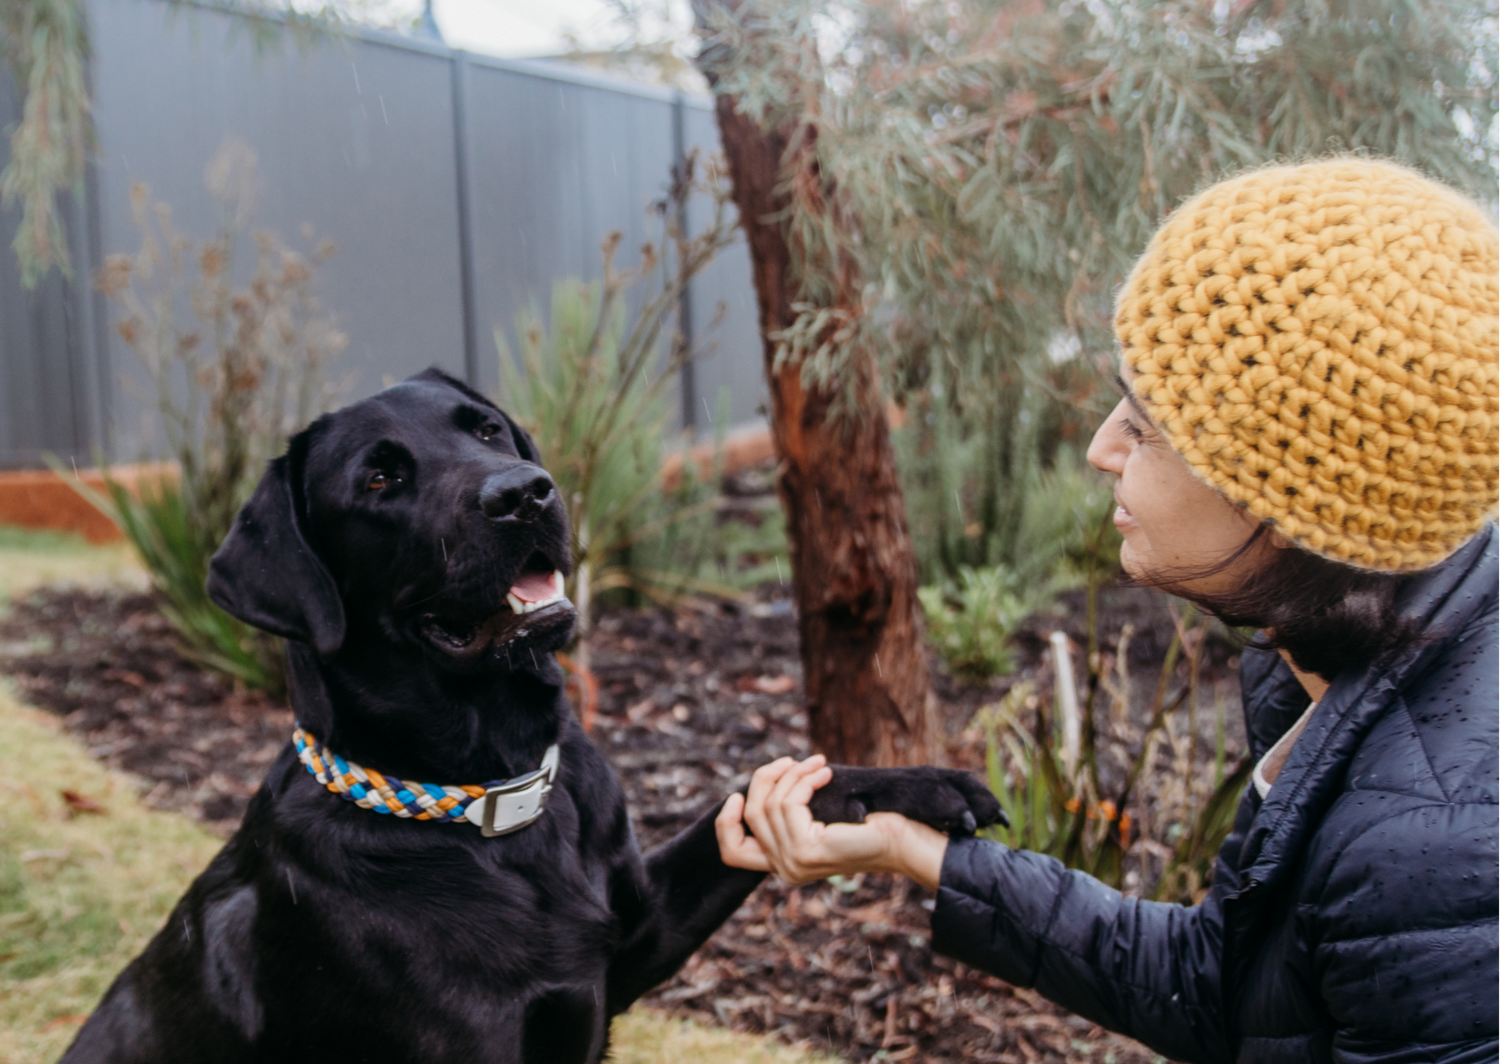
[(1132, 399)]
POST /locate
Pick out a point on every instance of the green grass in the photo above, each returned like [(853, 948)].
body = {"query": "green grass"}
[(29, 559), (80, 896), (642, 1036)]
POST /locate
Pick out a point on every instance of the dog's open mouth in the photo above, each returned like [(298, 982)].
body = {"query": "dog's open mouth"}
[(535, 604)]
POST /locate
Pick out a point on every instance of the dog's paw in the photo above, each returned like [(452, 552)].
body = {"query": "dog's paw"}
[(949, 800)]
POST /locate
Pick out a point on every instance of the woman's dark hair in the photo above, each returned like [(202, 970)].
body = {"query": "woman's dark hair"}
[(1328, 616)]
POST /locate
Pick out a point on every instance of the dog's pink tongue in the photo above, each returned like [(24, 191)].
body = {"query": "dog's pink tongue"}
[(533, 587)]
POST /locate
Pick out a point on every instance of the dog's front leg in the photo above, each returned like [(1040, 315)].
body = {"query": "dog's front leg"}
[(671, 902), (668, 904)]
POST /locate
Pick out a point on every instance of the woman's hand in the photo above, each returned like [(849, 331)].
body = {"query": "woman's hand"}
[(799, 849)]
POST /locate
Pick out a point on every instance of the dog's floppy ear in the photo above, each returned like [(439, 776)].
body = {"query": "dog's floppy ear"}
[(267, 574)]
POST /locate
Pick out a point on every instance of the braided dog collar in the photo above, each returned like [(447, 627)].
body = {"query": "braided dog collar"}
[(498, 807)]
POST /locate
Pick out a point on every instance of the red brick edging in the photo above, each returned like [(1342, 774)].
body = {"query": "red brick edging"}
[(40, 499)]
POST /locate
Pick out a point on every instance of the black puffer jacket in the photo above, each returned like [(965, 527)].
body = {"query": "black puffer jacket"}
[(1353, 912)]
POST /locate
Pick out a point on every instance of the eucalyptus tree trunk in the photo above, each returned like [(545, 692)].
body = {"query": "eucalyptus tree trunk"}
[(864, 662)]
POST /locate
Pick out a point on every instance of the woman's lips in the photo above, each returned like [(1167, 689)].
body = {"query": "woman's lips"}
[(1122, 517)]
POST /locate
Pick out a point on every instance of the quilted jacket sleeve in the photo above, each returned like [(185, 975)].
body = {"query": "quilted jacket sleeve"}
[(1146, 969)]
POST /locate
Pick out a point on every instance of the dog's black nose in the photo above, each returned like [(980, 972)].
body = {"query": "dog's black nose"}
[(520, 493)]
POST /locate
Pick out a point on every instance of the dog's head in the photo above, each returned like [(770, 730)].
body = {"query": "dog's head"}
[(421, 516)]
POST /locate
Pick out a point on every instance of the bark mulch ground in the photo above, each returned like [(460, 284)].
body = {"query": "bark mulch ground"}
[(690, 703), (107, 663)]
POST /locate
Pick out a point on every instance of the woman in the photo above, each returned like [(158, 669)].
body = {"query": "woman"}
[(1307, 445)]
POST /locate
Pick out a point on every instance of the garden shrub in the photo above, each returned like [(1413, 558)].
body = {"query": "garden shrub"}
[(1061, 534), (970, 620)]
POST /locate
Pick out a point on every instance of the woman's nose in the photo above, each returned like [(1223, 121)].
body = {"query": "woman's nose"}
[(1109, 447)]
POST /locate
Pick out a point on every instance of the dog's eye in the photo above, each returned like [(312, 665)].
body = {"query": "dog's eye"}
[(380, 481), (487, 431)]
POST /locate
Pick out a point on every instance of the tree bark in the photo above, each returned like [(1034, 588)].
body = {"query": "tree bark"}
[(864, 662)]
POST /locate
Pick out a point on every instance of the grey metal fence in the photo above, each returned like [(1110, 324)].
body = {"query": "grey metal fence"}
[(457, 187)]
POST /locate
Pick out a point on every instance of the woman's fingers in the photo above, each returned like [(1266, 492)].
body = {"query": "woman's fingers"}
[(793, 833), (737, 849), (802, 788), (795, 779), (766, 777), (783, 801), (790, 843), (786, 805)]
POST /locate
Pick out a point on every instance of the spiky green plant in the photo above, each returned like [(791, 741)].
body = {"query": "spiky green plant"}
[(1065, 811), (591, 390)]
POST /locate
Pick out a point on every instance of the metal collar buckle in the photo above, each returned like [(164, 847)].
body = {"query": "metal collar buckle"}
[(510, 806)]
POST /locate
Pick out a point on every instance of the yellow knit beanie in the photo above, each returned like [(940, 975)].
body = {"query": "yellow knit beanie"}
[(1319, 342)]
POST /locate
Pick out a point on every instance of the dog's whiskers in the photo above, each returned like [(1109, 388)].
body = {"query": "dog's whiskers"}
[(426, 598)]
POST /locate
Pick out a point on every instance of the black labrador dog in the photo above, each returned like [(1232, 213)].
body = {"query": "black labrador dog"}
[(411, 550)]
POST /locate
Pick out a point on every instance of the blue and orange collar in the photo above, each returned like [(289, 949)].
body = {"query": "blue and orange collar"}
[(497, 808)]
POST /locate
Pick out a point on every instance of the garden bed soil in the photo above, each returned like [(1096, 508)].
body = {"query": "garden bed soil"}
[(690, 704)]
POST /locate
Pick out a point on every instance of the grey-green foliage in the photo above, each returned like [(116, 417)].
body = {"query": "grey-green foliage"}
[(1000, 162), (705, 541), (992, 167), (998, 484), (44, 43)]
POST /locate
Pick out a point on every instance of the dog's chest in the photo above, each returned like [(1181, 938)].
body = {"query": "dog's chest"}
[(552, 916), (524, 951)]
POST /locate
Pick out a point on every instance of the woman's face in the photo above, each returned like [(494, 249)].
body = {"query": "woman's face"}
[(1173, 523)]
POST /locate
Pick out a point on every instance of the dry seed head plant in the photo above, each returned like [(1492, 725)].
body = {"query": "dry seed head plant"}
[(244, 368), (1136, 804)]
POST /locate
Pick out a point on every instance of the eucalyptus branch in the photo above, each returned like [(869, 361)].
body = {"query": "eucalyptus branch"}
[(46, 47)]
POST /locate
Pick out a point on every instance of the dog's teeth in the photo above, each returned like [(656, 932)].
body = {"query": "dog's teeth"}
[(520, 607)]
